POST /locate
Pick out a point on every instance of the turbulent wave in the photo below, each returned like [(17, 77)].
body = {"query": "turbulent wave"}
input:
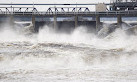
[(79, 56)]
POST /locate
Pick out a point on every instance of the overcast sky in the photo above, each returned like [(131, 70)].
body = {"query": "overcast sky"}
[(54, 1), (43, 8)]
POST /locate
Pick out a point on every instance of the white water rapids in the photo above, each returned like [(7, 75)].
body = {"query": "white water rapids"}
[(77, 57)]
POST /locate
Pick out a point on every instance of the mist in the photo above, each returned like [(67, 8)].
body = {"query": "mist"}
[(117, 39), (58, 56)]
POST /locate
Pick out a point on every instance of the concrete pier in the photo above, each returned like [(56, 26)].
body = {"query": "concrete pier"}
[(76, 21), (119, 20), (33, 22), (97, 22), (11, 21), (55, 22)]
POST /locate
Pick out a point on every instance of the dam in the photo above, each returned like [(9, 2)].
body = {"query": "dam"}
[(62, 17)]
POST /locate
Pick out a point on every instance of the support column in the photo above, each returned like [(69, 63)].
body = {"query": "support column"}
[(97, 22), (76, 21), (55, 22), (11, 22), (33, 23), (119, 20)]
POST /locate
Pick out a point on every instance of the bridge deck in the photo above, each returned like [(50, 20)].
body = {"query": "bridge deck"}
[(107, 13)]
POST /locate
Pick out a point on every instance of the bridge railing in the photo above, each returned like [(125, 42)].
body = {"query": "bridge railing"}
[(59, 11)]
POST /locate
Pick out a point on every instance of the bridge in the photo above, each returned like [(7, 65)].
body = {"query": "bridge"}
[(13, 10)]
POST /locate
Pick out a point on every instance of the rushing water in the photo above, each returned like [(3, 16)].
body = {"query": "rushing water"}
[(77, 57)]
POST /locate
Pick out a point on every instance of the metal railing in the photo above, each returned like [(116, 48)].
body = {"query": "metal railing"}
[(60, 11)]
